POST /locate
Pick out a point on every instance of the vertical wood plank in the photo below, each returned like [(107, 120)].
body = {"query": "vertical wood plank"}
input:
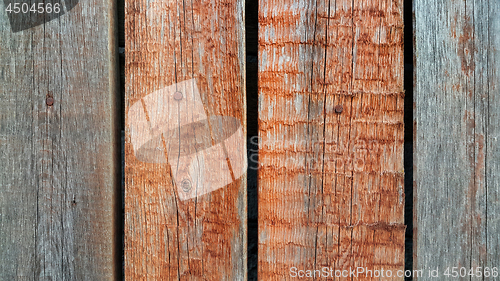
[(456, 132), (492, 139), (59, 168), (331, 191), (184, 63)]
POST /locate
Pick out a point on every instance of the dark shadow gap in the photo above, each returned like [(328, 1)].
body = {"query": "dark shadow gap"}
[(408, 146), (120, 227), (252, 45)]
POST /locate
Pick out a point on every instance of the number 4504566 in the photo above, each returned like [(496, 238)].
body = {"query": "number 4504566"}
[(25, 8)]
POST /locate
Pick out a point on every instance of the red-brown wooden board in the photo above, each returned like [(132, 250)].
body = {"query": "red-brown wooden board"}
[(331, 179), (185, 63)]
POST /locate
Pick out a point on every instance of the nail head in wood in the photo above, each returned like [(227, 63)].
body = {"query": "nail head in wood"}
[(49, 101), (339, 108), (177, 95)]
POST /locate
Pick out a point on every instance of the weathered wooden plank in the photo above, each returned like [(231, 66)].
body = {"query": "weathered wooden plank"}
[(58, 133), (331, 178), (456, 148), (185, 63), (492, 154)]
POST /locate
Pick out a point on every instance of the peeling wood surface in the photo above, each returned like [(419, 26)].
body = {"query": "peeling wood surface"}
[(59, 167), (331, 185), (457, 152), (195, 48)]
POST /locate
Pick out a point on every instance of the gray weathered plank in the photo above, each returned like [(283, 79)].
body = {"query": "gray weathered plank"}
[(58, 173), (493, 136), (456, 135)]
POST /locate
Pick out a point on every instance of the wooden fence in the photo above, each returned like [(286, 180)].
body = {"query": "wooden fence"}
[(330, 128)]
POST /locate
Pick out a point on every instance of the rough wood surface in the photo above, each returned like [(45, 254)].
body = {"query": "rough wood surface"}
[(330, 184), (457, 153), (58, 173), (183, 46)]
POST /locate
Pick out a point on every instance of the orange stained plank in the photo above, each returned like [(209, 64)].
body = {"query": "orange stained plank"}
[(185, 181), (331, 179)]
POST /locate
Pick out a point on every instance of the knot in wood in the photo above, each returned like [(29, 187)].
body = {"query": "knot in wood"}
[(186, 185)]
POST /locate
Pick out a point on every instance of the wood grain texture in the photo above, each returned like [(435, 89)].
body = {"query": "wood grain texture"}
[(456, 145), (59, 168), (168, 237), (331, 188)]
